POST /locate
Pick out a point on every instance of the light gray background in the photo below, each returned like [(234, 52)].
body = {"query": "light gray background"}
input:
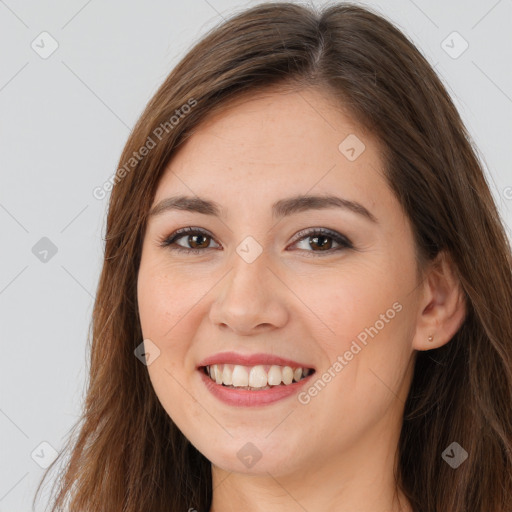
[(63, 123)]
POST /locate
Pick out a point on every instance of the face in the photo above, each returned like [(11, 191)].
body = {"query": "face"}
[(311, 303)]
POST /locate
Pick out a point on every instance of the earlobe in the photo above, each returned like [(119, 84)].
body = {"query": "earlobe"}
[(442, 309)]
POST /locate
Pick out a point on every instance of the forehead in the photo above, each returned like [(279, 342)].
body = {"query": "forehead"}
[(259, 148)]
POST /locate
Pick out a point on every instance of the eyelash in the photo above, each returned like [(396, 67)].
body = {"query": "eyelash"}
[(344, 242)]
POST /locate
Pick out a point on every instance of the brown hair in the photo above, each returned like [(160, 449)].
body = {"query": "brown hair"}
[(128, 454)]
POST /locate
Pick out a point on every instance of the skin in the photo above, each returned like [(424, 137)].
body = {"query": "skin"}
[(337, 452)]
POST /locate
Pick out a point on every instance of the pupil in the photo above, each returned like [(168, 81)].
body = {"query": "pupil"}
[(197, 236), (325, 238)]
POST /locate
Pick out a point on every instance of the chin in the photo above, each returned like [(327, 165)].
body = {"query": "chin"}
[(253, 455)]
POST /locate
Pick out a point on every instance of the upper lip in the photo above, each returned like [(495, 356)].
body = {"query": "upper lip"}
[(250, 360)]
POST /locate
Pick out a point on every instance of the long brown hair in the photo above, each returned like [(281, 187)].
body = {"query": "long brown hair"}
[(128, 455)]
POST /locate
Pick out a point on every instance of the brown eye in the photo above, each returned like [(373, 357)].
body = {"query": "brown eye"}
[(195, 240), (321, 241)]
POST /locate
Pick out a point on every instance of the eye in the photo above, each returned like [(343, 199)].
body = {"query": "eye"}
[(196, 237), (199, 240), (322, 239)]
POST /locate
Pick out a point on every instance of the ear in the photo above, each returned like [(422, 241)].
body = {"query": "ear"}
[(442, 308)]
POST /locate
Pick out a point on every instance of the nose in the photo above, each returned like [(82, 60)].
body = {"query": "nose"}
[(250, 300)]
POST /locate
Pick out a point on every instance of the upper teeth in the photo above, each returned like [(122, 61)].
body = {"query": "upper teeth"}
[(255, 376)]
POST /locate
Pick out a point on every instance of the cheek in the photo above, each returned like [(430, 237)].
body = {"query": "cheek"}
[(168, 318), (171, 309), (361, 304), (367, 336), (370, 313), (165, 299)]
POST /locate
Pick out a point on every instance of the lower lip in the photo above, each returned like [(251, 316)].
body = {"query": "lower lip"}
[(247, 398)]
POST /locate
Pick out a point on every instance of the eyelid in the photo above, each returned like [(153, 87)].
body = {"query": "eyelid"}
[(179, 233), (338, 237)]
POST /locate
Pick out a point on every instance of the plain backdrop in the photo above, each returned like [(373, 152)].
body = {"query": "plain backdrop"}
[(64, 118)]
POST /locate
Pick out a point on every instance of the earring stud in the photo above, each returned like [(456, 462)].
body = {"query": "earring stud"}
[(430, 338)]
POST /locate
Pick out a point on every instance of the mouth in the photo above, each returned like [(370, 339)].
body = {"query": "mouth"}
[(255, 378)]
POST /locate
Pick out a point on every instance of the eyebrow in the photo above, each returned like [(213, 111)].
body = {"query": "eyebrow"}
[(281, 208)]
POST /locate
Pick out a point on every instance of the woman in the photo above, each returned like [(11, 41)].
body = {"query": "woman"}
[(232, 364)]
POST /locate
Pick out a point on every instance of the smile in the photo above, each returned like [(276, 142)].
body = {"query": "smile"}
[(255, 378)]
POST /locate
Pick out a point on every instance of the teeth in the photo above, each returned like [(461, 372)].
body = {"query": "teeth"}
[(240, 376), (287, 375), (275, 375), (218, 375), (227, 375), (255, 377)]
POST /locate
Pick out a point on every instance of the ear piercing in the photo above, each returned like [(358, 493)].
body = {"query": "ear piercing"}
[(430, 338)]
